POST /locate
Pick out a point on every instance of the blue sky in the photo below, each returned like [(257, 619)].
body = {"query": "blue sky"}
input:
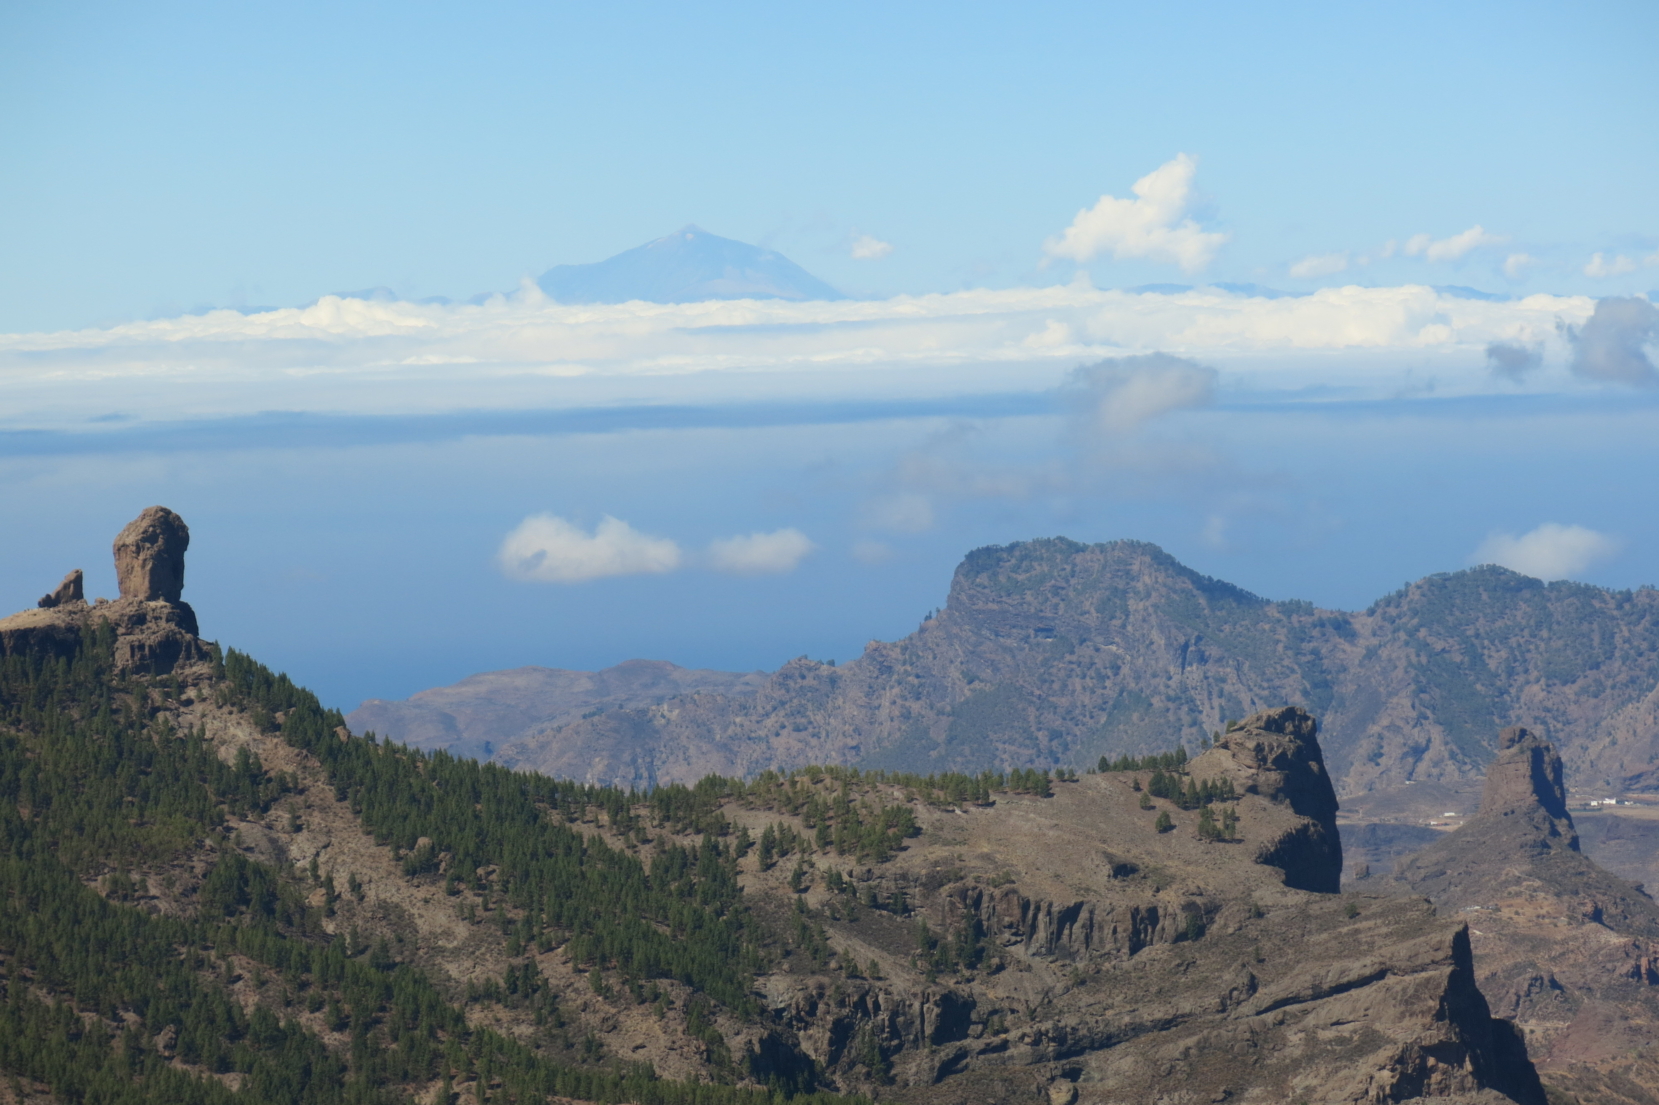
[(388, 495), (180, 155)]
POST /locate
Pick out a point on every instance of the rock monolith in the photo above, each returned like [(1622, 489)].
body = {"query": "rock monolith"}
[(149, 556)]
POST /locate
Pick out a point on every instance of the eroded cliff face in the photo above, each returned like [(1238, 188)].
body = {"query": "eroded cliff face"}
[(1563, 947)]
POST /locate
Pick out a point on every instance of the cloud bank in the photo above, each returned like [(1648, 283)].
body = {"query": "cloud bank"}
[(1552, 551), (548, 549), (1153, 225), (343, 355)]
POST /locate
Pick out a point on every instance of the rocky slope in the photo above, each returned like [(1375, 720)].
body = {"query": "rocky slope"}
[(333, 919), (1567, 950), (1051, 652), (483, 712)]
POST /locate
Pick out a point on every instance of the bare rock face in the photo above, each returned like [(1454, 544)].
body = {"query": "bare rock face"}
[(70, 590), (1276, 754), (149, 556), (1568, 950), (155, 632)]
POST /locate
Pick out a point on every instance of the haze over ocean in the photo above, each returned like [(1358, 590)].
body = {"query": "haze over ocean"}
[(1340, 300)]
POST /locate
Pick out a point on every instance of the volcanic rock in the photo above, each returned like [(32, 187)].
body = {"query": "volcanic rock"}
[(1276, 754), (1568, 950), (155, 631), (70, 590), (149, 556)]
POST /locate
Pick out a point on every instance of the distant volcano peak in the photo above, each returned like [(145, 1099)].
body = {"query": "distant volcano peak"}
[(687, 266)]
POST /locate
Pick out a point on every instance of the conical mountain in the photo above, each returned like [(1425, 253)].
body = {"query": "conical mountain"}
[(685, 267)]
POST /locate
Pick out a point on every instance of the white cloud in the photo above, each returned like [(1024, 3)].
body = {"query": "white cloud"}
[(1453, 248), (1152, 225), (868, 248), (1552, 551), (1600, 266), (1516, 265), (526, 353), (760, 553), (547, 549), (1320, 264)]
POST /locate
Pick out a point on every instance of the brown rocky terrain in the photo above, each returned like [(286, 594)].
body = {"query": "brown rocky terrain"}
[(1566, 949), (1055, 653), (940, 940), (482, 712)]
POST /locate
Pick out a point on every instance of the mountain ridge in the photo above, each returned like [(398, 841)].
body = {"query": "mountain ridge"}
[(1053, 653)]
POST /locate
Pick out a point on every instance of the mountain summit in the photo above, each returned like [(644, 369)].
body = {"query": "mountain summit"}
[(686, 267)]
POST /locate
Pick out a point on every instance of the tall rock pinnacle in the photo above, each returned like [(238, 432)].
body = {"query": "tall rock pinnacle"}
[(149, 556)]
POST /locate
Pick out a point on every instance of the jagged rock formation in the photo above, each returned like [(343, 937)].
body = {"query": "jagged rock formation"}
[(72, 589), (1568, 950), (155, 631), (1053, 652), (1276, 755)]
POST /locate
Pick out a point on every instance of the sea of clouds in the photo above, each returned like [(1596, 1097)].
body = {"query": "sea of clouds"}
[(522, 351)]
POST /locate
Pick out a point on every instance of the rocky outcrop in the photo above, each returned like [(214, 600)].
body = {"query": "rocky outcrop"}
[(154, 630), (71, 590), (1564, 947), (1276, 754), (149, 556), (1117, 963)]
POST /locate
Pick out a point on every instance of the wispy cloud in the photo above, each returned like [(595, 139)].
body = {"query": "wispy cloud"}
[(1552, 551), (1153, 225), (760, 553), (1611, 348), (1321, 264), (1450, 249), (1516, 265), (545, 548), (1600, 266), (869, 248)]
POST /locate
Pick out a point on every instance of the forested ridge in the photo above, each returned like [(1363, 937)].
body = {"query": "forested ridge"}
[(106, 1002)]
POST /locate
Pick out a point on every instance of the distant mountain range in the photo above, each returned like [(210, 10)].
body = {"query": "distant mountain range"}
[(1052, 653), (686, 267)]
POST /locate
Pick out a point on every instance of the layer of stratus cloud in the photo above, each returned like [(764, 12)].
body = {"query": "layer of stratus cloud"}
[(1154, 225), (1551, 551), (373, 357)]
